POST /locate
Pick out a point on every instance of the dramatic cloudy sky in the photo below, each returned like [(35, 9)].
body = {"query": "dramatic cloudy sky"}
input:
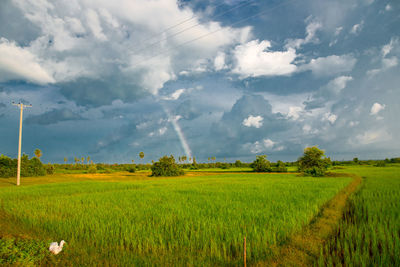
[(225, 78)]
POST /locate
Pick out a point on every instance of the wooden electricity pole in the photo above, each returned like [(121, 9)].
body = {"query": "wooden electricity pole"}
[(21, 106)]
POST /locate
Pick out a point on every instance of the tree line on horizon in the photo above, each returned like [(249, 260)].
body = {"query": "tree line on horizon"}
[(313, 162)]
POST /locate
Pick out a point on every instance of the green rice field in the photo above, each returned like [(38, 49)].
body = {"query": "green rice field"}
[(369, 233), (191, 221)]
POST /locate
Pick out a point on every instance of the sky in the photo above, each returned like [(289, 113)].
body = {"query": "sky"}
[(230, 78)]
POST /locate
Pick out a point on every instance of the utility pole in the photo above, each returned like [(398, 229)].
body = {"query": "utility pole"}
[(21, 106)]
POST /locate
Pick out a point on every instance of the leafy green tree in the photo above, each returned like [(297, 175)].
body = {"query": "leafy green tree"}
[(238, 164), (38, 153), (261, 164), (166, 166), (313, 162)]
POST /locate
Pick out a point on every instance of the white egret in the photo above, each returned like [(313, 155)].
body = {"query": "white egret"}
[(55, 248)]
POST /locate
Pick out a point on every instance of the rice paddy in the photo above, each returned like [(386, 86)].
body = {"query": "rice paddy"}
[(194, 220), (369, 233)]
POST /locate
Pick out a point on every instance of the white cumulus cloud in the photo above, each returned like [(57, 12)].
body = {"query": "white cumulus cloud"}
[(373, 136), (330, 117), (262, 146), (105, 40), (376, 108), (311, 29), (17, 63), (338, 84), (254, 59), (294, 112), (330, 65), (357, 28), (219, 62), (253, 121)]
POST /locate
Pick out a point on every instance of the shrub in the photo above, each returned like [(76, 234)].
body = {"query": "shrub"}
[(131, 168), (280, 167), (166, 166), (238, 164), (261, 164), (92, 169), (225, 166), (49, 168), (315, 172), (313, 162), (381, 163), (194, 165), (32, 167)]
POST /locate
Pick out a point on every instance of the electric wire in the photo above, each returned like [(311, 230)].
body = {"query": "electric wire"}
[(178, 24), (213, 32), (188, 28)]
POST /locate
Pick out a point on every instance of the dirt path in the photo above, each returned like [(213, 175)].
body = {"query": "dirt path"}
[(303, 248)]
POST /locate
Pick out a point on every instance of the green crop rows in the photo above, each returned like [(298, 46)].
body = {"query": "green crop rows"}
[(369, 234), (193, 220)]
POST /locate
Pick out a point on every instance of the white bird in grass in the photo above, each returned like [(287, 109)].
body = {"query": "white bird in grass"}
[(55, 248)]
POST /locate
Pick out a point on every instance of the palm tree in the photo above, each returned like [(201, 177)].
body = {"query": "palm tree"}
[(88, 159), (83, 160), (38, 153), (141, 155), (65, 160)]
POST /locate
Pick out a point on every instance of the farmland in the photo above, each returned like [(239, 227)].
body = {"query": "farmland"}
[(200, 219), (369, 233), (195, 220)]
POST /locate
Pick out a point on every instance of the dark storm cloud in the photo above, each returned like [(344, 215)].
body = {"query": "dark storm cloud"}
[(231, 132), (14, 26), (88, 49), (53, 116), (95, 92)]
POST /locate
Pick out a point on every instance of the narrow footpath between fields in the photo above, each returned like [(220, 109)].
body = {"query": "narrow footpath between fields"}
[(303, 248)]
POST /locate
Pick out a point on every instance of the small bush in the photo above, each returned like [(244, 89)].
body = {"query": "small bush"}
[(381, 164), (92, 169), (261, 164), (225, 166), (194, 165), (315, 172), (166, 166), (280, 167), (238, 164), (131, 169), (49, 168)]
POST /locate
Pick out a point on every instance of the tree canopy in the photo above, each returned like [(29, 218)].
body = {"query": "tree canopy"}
[(313, 162), (166, 166)]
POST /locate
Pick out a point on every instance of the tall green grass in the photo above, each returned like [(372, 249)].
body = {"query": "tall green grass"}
[(369, 233), (180, 221)]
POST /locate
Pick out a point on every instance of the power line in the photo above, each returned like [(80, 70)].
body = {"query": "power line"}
[(213, 32), (188, 28)]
